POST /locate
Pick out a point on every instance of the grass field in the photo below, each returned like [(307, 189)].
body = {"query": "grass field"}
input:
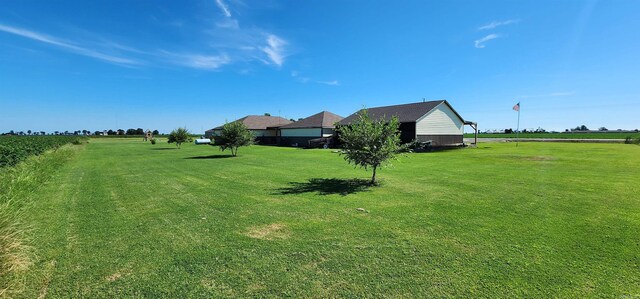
[(607, 135), (123, 218)]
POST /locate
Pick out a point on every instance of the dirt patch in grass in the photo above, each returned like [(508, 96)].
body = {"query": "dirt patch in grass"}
[(256, 287), (114, 276), (119, 274), (268, 232), (211, 284)]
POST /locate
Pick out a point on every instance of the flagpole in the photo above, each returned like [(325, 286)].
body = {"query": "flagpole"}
[(518, 128)]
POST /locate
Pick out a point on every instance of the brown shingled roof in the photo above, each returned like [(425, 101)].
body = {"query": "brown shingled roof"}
[(405, 112), (324, 119), (260, 122)]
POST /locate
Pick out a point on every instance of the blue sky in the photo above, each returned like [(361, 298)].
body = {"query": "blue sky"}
[(73, 65)]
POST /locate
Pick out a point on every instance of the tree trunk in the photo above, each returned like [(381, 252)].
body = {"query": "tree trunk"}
[(373, 178)]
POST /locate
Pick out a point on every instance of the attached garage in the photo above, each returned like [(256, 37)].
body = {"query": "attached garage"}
[(442, 125), (434, 121), (315, 126), (265, 128)]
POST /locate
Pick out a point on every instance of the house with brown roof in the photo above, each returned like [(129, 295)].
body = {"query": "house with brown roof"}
[(315, 126), (265, 128), (434, 121)]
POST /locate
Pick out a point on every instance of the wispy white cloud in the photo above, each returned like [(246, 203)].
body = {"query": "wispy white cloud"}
[(548, 95), (275, 49), (332, 82), (223, 42), (246, 43), (68, 45), (196, 61), (228, 23), (304, 79), (224, 8), (495, 24), (479, 43), (206, 62), (299, 77)]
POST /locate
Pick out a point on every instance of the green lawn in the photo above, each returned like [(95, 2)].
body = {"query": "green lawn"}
[(125, 218), (572, 135)]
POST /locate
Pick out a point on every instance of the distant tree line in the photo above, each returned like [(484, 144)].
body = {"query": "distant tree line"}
[(138, 131), (580, 128)]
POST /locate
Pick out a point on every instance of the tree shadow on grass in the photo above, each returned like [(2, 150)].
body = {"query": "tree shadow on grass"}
[(210, 157), (327, 186)]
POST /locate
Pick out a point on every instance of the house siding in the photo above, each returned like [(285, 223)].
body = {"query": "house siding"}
[(256, 133), (262, 136), (302, 132), (440, 121), (264, 133)]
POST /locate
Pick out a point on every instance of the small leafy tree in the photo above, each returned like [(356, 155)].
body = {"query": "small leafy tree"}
[(235, 135), (179, 136), (370, 143)]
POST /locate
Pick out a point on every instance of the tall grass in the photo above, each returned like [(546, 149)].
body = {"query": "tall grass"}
[(16, 186)]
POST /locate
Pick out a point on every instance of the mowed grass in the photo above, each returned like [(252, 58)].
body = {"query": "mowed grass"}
[(129, 219)]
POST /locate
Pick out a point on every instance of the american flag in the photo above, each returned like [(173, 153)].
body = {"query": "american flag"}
[(517, 107)]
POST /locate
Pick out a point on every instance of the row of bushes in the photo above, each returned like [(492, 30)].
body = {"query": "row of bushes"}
[(14, 149), (630, 140)]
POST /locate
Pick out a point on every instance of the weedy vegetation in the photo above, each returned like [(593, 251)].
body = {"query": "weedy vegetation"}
[(17, 185)]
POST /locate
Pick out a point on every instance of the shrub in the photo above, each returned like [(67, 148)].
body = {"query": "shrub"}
[(179, 136), (370, 143), (153, 141), (235, 135)]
